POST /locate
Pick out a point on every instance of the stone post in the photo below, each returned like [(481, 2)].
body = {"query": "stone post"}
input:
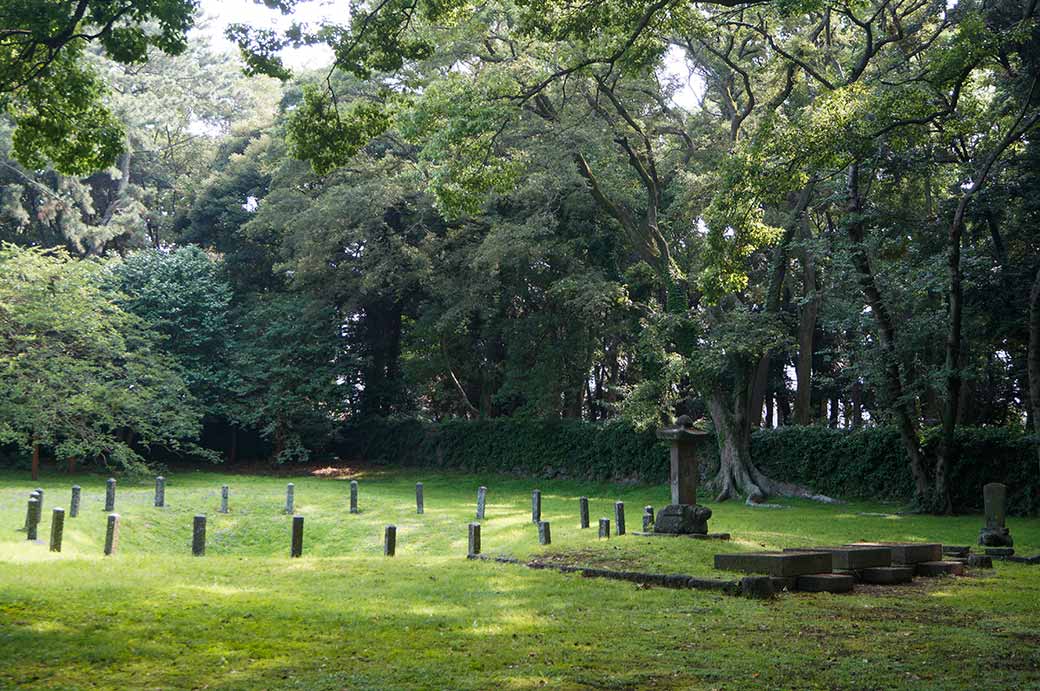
[(418, 497), (112, 534), (353, 496), (474, 539), (604, 527), (110, 495), (481, 502), (39, 495), (583, 511), (995, 532), (648, 519), (57, 528), (296, 549), (33, 518), (160, 491), (225, 492), (29, 510), (536, 506), (619, 517), (290, 499), (198, 535), (390, 540), (683, 516), (544, 534), (74, 503)]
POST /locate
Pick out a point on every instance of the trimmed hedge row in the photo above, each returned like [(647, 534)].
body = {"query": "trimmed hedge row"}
[(867, 463)]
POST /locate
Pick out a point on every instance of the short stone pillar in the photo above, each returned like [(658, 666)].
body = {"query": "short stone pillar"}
[(481, 502), (683, 516), (604, 527), (619, 517), (390, 540), (225, 493), (39, 495), (995, 532), (29, 509), (648, 519), (474, 539), (418, 497), (112, 534), (544, 533), (198, 535), (110, 495), (583, 511), (353, 496), (74, 502), (32, 517), (296, 549), (290, 498), (57, 528), (536, 506), (160, 491)]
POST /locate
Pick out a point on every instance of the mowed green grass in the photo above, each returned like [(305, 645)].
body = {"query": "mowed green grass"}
[(245, 616)]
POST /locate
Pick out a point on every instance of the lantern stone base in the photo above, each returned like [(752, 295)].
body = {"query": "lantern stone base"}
[(682, 519)]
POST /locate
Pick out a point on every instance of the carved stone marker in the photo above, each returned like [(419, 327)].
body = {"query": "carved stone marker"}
[(544, 533), (353, 496), (110, 495), (619, 517), (536, 506), (390, 540), (57, 528), (160, 491), (112, 534), (995, 533), (418, 497), (296, 549), (481, 502), (33, 517), (198, 535), (604, 527), (474, 539), (74, 502), (683, 515), (290, 498), (224, 496), (583, 510)]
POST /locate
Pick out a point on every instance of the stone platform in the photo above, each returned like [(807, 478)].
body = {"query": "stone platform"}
[(886, 575), (825, 583), (848, 558), (932, 569), (907, 552), (780, 564)]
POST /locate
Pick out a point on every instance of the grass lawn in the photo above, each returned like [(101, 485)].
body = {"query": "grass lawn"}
[(245, 616)]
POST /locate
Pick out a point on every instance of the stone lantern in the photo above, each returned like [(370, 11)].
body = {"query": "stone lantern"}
[(683, 516)]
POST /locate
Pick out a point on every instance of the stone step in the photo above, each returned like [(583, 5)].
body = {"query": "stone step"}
[(932, 569), (908, 552), (886, 575), (852, 558), (784, 564), (956, 550), (826, 583), (980, 561)]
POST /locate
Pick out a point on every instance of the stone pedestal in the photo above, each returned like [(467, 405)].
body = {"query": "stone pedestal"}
[(683, 516), (995, 533)]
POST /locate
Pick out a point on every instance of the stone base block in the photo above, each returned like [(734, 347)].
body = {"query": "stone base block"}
[(887, 575), (908, 552), (781, 583), (932, 569), (852, 558), (995, 537), (956, 551), (757, 587), (682, 519), (784, 564), (980, 561), (694, 536), (826, 583)]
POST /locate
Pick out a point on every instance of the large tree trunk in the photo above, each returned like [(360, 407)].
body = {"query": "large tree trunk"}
[(1034, 356), (900, 408), (35, 461), (806, 330)]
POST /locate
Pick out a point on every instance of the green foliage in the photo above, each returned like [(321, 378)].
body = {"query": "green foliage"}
[(78, 373)]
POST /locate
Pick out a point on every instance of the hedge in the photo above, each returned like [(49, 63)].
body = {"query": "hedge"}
[(863, 464)]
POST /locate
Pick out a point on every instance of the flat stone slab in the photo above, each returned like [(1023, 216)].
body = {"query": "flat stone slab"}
[(782, 583), (956, 550), (784, 564), (826, 583), (933, 569), (692, 536), (980, 561), (1000, 551), (907, 552), (852, 558), (887, 575)]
